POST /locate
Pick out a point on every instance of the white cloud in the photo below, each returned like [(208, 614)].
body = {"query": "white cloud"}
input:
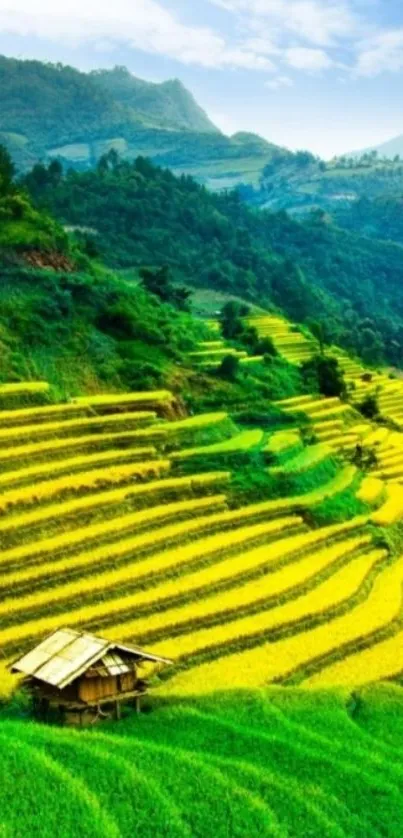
[(321, 22), (279, 82), (306, 58), (143, 24), (383, 53)]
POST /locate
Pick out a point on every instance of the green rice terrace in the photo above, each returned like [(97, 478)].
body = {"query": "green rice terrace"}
[(265, 563), (266, 762)]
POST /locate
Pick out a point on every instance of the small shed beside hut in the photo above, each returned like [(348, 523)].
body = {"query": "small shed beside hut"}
[(82, 676)]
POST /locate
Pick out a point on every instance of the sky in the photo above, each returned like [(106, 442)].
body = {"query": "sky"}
[(325, 75)]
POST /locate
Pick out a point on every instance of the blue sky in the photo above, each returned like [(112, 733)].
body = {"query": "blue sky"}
[(320, 74)]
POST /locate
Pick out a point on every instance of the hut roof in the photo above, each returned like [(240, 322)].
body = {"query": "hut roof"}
[(66, 654)]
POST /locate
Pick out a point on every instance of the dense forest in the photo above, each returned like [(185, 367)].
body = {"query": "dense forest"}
[(135, 214), (71, 320), (68, 318), (379, 218)]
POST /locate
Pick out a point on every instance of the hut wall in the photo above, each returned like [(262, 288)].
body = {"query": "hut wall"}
[(98, 688), (94, 689), (127, 682)]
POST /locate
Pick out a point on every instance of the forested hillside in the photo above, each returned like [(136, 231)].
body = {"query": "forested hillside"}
[(69, 319), (379, 218), (300, 182), (137, 214)]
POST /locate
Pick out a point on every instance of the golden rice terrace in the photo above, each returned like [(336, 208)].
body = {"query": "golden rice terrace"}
[(112, 521)]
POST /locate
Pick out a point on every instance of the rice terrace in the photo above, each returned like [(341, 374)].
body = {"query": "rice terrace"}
[(123, 517)]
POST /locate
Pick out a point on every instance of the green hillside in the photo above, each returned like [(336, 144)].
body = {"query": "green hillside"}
[(276, 763), (378, 218), (142, 215), (301, 182)]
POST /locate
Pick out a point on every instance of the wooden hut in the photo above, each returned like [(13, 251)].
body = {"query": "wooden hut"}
[(83, 677)]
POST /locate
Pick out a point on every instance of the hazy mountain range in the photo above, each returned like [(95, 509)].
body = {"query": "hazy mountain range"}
[(52, 111)]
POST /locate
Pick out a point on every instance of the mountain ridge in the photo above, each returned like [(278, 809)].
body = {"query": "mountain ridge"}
[(50, 111)]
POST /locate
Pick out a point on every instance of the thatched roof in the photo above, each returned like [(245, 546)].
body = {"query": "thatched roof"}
[(66, 654)]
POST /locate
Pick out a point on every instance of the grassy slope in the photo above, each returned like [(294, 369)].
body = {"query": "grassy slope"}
[(276, 762)]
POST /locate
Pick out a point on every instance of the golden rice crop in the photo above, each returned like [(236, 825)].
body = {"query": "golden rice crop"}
[(42, 413), (22, 387), (113, 496), (83, 423), (362, 429), (281, 441), (149, 398), (311, 406), (241, 442), (370, 490), (84, 481), (216, 354), (344, 441), (203, 548), (329, 593), (52, 447), (393, 472), (294, 401), (194, 422), (331, 425), (188, 584), (377, 436), (67, 541), (244, 594), (392, 510), (317, 415), (7, 681), (74, 464), (380, 662), (182, 530), (227, 569), (269, 661)]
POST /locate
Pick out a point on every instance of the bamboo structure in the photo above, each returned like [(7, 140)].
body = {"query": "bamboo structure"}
[(83, 678)]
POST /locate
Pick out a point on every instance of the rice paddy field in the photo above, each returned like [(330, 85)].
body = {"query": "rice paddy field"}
[(119, 517), (269, 762), (281, 609)]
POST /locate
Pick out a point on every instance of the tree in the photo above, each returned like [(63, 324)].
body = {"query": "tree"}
[(369, 406), (324, 374), (229, 367), (7, 171), (231, 321), (318, 331), (159, 283)]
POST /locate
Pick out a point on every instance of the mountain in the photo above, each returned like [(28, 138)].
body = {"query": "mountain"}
[(167, 105), (51, 111), (390, 149)]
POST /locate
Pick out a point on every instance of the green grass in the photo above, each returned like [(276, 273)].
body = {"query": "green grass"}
[(306, 459), (340, 507), (275, 762)]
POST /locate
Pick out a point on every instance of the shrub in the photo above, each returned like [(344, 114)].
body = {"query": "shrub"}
[(229, 367), (369, 406)]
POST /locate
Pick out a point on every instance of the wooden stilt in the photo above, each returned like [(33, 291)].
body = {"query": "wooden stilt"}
[(137, 703), (118, 713)]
